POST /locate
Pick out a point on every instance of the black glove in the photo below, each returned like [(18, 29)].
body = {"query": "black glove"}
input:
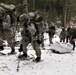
[(21, 48), (38, 41)]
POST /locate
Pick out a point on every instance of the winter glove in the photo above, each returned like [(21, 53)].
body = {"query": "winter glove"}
[(38, 41)]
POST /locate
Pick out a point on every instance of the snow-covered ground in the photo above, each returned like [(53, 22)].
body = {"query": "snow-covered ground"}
[(51, 64)]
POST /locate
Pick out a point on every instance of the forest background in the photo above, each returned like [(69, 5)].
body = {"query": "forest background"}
[(53, 10)]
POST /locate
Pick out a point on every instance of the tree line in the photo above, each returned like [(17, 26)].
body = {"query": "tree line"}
[(63, 10)]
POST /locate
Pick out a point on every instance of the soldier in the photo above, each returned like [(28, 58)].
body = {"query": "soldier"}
[(62, 35), (51, 32), (39, 24), (7, 28), (8, 32), (30, 34), (68, 34), (2, 12), (73, 37)]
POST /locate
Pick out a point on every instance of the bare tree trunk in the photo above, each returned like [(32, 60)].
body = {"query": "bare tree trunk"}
[(25, 10), (69, 11), (46, 11), (33, 4), (64, 13), (45, 16)]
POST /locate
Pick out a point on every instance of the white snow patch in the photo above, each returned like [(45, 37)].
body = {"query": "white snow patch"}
[(52, 64)]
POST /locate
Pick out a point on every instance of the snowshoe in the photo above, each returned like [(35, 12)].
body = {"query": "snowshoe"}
[(23, 57)]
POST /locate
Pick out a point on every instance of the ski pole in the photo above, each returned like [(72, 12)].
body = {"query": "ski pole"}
[(18, 66)]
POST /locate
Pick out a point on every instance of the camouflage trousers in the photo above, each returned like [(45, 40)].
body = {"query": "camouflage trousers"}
[(42, 39), (10, 37), (25, 41)]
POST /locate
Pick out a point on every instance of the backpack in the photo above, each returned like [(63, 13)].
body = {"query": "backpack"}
[(32, 28), (39, 24), (7, 23)]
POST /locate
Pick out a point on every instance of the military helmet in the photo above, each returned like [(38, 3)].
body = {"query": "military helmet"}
[(23, 17)]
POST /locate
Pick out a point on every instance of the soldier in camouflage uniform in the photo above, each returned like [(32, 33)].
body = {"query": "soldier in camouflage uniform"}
[(62, 35), (2, 13), (51, 32), (6, 30), (41, 28), (73, 37), (30, 35), (68, 34)]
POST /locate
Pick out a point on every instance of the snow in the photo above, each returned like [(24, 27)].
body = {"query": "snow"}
[(51, 64)]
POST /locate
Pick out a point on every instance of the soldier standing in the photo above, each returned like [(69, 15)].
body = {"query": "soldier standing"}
[(6, 28), (68, 34), (8, 32), (62, 35), (2, 14), (31, 35), (73, 37), (51, 32)]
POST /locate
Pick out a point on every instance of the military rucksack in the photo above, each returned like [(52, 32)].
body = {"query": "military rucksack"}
[(32, 28)]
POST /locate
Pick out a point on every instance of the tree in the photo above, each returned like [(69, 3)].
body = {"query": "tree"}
[(25, 9), (51, 9), (64, 15), (33, 4)]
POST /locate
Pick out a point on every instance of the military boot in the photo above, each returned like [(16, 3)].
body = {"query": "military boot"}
[(37, 59), (23, 56)]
